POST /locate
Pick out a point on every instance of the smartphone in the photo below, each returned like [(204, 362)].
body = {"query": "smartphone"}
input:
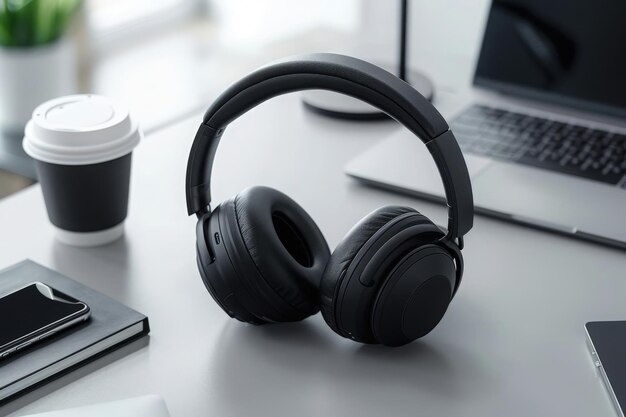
[(607, 343), (34, 312)]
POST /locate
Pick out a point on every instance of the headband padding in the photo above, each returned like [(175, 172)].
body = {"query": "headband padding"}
[(339, 73)]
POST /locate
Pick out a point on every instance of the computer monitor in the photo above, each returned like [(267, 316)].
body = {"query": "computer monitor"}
[(566, 51)]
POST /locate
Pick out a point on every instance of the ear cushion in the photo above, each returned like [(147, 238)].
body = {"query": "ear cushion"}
[(345, 252), (285, 244)]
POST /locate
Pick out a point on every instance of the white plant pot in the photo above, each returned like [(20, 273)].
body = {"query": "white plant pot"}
[(30, 76)]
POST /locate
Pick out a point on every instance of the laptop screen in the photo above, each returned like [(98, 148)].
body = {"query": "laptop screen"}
[(566, 51)]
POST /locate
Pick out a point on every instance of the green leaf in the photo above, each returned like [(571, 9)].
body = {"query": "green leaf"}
[(6, 24), (23, 28), (5, 36), (26, 23)]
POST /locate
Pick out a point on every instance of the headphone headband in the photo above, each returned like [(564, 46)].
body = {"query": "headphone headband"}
[(349, 76)]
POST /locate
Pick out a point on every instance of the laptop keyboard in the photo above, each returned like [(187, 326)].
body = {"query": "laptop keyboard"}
[(571, 149)]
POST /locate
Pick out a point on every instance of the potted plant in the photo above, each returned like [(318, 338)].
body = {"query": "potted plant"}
[(37, 62)]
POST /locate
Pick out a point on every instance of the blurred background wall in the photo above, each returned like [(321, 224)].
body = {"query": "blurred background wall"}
[(167, 59)]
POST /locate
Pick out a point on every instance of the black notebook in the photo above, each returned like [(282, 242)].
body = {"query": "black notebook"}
[(111, 325)]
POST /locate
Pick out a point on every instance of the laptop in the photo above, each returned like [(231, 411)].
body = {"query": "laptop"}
[(543, 129)]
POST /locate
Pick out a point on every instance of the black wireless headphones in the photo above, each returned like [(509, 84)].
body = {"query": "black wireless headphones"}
[(263, 259)]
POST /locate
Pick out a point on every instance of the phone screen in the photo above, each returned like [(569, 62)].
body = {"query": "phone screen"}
[(608, 342), (33, 308)]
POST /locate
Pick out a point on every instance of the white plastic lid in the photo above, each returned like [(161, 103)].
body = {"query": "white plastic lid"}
[(80, 130)]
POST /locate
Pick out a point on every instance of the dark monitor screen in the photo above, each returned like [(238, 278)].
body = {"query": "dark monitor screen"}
[(566, 51)]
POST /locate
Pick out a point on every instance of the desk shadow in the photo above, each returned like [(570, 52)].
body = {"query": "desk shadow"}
[(304, 361), (73, 376)]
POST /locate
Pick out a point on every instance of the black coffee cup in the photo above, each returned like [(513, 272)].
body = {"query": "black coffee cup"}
[(82, 146)]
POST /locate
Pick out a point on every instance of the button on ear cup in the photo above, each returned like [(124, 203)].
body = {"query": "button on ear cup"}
[(344, 254), (287, 249)]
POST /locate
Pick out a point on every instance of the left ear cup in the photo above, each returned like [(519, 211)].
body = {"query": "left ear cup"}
[(285, 244), (270, 253)]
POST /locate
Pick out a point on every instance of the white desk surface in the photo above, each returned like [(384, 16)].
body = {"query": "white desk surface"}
[(511, 344)]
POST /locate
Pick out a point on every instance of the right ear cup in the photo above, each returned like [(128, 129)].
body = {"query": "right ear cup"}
[(269, 257), (377, 285), (345, 252)]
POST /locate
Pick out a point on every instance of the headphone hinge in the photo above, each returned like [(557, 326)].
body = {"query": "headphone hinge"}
[(454, 247), (203, 211), (203, 242)]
